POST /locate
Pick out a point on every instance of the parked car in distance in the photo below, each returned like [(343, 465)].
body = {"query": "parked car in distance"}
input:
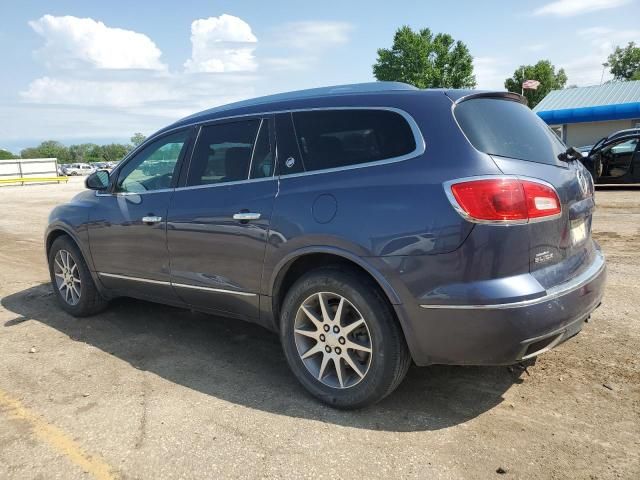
[(78, 169), (584, 150), (369, 225), (615, 159)]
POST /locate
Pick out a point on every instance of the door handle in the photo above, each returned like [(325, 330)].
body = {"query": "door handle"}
[(246, 216), (151, 219)]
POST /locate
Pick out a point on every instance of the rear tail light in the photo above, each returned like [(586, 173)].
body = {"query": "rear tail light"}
[(503, 199)]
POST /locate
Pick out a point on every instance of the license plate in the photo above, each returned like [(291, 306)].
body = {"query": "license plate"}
[(578, 231)]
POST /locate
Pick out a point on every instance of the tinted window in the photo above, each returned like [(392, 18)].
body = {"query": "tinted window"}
[(154, 166), (337, 138), (223, 153), (508, 129)]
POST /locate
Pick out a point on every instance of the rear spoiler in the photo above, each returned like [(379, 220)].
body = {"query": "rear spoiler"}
[(512, 96)]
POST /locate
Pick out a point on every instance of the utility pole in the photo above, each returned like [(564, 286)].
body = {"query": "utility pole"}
[(604, 65)]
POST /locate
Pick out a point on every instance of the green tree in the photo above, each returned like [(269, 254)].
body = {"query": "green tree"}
[(48, 149), (137, 139), (544, 72), (5, 154), (82, 152), (114, 152), (624, 63), (426, 61)]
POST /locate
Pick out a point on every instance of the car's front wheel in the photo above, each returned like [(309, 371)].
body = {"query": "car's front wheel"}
[(71, 280), (341, 338)]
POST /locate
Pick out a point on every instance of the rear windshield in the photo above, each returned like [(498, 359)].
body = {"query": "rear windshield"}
[(508, 129)]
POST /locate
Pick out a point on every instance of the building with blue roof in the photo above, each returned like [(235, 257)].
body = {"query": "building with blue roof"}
[(583, 115)]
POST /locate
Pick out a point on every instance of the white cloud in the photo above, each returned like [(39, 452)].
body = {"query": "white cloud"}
[(313, 35), (170, 96), (92, 93), (221, 44), (599, 43), (72, 40), (105, 82), (569, 8)]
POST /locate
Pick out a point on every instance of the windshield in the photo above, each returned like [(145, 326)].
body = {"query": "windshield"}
[(508, 129)]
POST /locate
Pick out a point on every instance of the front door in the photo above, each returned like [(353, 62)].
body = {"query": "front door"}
[(219, 219), (615, 162), (127, 230)]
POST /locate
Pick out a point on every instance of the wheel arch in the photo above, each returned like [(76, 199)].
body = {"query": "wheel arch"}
[(294, 265), (59, 229)]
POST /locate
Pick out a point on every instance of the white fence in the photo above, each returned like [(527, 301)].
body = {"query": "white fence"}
[(28, 170)]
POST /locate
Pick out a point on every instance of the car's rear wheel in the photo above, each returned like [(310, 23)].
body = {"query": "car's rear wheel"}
[(341, 338), (71, 280)]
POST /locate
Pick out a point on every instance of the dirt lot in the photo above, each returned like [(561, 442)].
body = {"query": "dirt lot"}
[(146, 391)]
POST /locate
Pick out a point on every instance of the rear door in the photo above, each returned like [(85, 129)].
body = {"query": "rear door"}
[(219, 219), (521, 144)]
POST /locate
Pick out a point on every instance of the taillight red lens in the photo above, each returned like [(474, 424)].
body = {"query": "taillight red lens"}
[(505, 199)]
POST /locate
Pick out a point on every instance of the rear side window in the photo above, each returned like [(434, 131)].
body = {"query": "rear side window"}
[(508, 129), (223, 153), (338, 138)]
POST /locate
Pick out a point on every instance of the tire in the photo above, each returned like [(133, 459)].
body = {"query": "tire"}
[(82, 300), (380, 370)]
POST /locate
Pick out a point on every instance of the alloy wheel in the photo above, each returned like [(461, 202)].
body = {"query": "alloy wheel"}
[(333, 340), (67, 276)]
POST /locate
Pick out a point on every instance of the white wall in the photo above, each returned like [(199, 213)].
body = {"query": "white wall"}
[(579, 134), (28, 168)]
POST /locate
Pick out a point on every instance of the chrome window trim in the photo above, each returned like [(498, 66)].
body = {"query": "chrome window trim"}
[(179, 285), (504, 223), (417, 134), (415, 130), (222, 184), (595, 269), (127, 194), (192, 187)]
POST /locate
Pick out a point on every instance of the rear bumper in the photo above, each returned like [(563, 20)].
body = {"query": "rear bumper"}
[(503, 333)]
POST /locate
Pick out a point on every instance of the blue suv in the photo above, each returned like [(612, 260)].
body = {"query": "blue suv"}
[(370, 225)]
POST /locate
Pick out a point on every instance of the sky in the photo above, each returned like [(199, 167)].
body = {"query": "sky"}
[(81, 71)]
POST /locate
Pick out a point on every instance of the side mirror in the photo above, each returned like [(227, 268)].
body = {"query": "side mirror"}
[(97, 180)]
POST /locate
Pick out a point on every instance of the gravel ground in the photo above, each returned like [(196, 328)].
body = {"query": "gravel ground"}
[(147, 391)]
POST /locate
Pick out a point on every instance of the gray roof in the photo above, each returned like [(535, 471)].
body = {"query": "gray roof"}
[(613, 93)]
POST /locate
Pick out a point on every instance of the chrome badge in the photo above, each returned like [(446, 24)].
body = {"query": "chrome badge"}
[(583, 181), (543, 257)]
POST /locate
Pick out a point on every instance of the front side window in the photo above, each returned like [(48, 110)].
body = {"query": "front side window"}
[(339, 138), (154, 167), (224, 152)]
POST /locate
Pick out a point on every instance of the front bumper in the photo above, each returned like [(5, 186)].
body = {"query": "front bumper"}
[(506, 333)]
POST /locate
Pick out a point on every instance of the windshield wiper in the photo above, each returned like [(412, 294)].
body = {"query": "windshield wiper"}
[(571, 154)]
